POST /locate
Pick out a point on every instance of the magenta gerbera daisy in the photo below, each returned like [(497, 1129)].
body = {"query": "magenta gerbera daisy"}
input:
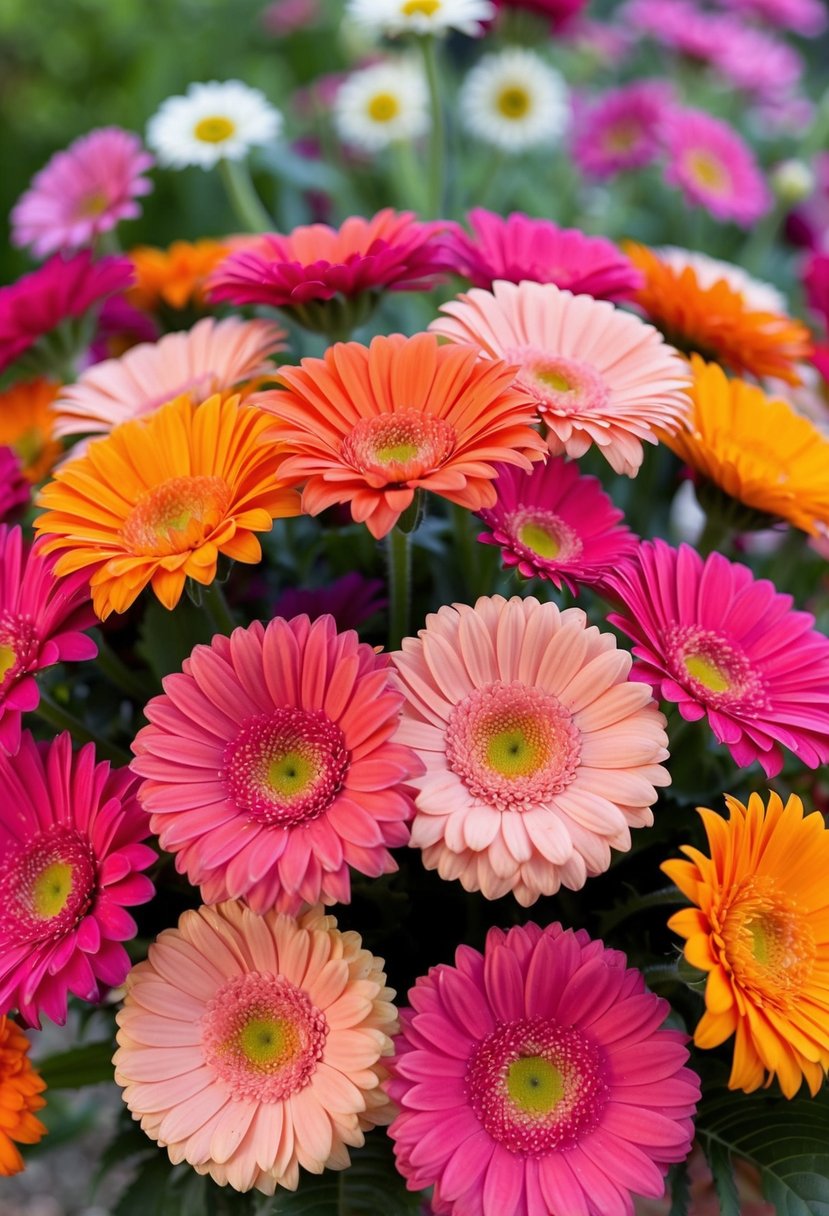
[(270, 767), (70, 862), (539, 1077), (720, 643), (41, 623), (714, 167), (620, 129), (555, 523), (14, 487)]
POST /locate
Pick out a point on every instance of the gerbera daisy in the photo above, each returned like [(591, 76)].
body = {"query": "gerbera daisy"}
[(519, 247), (514, 100), (758, 449), (714, 167), (70, 864), (269, 767), (21, 1088), (212, 357), (250, 1046), (422, 16), (717, 321), (554, 523), (806, 17), (682, 26), (14, 487), (620, 129), (540, 754), (175, 276), (83, 191), (41, 623), (371, 426), (382, 104), (723, 644), (161, 497), (598, 375), (220, 120), (27, 425), (759, 930), (757, 295), (538, 1077)]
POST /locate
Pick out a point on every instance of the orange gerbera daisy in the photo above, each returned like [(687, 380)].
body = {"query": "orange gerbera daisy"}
[(27, 425), (717, 321), (161, 497), (757, 449), (372, 425), (20, 1090), (760, 929), (174, 276)]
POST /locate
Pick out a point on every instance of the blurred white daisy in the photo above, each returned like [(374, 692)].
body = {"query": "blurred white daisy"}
[(422, 16), (515, 101), (382, 104), (217, 121), (758, 295)]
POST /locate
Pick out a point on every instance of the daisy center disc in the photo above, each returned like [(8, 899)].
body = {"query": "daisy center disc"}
[(544, 534), (46, 886), (707, 171), (8, 659), (622, 136), (397, 448), (513, 102), (383, 107), (92, 205), (534, 1085), (559, 385), (176, 516), (768, 944), (214, 129), (713, 668), (424, 8), (18, 648)]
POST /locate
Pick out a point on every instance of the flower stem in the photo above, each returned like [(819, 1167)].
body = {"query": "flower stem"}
[(61, 719), (213, 599), (400, 578), (713, 535), (437, 141), (245, 201), (466, 548), (123, 677)]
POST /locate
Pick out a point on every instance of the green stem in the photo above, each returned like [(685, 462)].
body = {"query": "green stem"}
[(400, 578), (243, 197), (123, 677), (466, 549), (213, 599), (438, 135), (713, 535), (61, 719)]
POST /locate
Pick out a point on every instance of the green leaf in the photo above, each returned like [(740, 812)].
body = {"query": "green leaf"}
[(86, 1065), (168, 637), (722, 1170), (679, 1189)]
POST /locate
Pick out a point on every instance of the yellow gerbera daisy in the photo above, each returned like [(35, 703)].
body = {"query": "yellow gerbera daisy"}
[(760, 929)]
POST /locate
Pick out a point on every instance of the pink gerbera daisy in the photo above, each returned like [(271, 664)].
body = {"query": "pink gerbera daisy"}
[(41, 619), (714, 167), (620, 130), (540, 754), (681, 25), (212, 357), (83, 191), (250, 1046), (70, 856), (725, 645), (806, 17), (269, 765), (597, 375), (539, 1078), (14, 489), (519, 248), (554, 523)]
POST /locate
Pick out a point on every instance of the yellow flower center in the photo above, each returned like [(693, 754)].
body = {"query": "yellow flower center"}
[(291, 774), (426, 8), (94, 204), (383, 107), (517, 750), (534, 1085), (555, 380), (708, 171), (513, 102), (7, 660), (706, 672), (51, 889), (541, 540), (214, 129), (29, 445), (175, 516), (768, 943), (268, 1042)]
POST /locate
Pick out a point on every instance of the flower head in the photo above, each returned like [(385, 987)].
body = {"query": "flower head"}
[(70, 864), (382, 104), (540, 754), (83, 191), (538, 1077), (372, 425), (176, 276), (621, 129), (758, 929), (805, 17), (816, 284), (597, 375), (727, 646), (220, 120), (756, 294), (14, 487), (27, 426), (160, 498), (714, 167), (514, 100), (422, 16), (21, 1088), (274, 1032)]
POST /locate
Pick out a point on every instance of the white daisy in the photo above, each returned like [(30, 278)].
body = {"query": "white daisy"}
[(221, 120), (382, 104), (759, 296), (515, 101), (422, 16)]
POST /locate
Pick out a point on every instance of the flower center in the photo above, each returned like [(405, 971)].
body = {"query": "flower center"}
[(768, 944), (544, 534), (622, 136), (18, 648), (175, 516), (383, 107), (29, 446), (714, 669), (559, 385), (513, 746), (214, 129), (708, 172), (534, 1085), (397, 448), (286, 767), (92, 205), (51, 890), (427, 8), (706, 672), (513, 102), (263, 1037), (46, 886), (7, 661)]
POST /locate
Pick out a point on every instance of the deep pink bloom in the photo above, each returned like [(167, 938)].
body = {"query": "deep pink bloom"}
[(723, 644), (518, 247), (806, 17), (760, 64), (351, 600), (120, 327), (283, 17), (70, 856), (808, 224), (83, 191), (714, 167), (14, 492), (816, 283), (538, 1078), (41, 619), (559, 12), (621, 129), (679, 25), (556, 523), (60, 289)]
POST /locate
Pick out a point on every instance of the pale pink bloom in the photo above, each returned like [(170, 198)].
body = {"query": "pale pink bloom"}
[(540, 754), (714, 167), (598, 375)]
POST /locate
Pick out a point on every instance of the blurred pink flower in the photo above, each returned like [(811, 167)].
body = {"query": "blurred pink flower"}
[(284, 17), (559, 12), (14, 487), (620, 129), (806, 17), (714, 167)]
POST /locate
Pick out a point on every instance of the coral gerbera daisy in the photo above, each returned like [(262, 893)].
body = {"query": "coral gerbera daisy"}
[(21, 1088), (727, 646), (597, 375), (27, 425), (718, 321), (70, 862), (270, 769), (250, 1046), (41, 623), (714, 167), (758, 928), (540, 754), (759, 450), (554, 523), (160, 498), (539, 1077), (176, 276), (212, 357), (372, 425)]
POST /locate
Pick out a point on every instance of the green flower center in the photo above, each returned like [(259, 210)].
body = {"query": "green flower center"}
[(540, 540), (291, 774), (534, 1085), (517, 751), (265, 1042)]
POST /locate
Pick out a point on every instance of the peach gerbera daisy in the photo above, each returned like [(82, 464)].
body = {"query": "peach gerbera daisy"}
[(596, 374), (175, 276), (27, 426), (759, 928), (20, 1096), (717, 321), (160, 498), (372, 425)]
